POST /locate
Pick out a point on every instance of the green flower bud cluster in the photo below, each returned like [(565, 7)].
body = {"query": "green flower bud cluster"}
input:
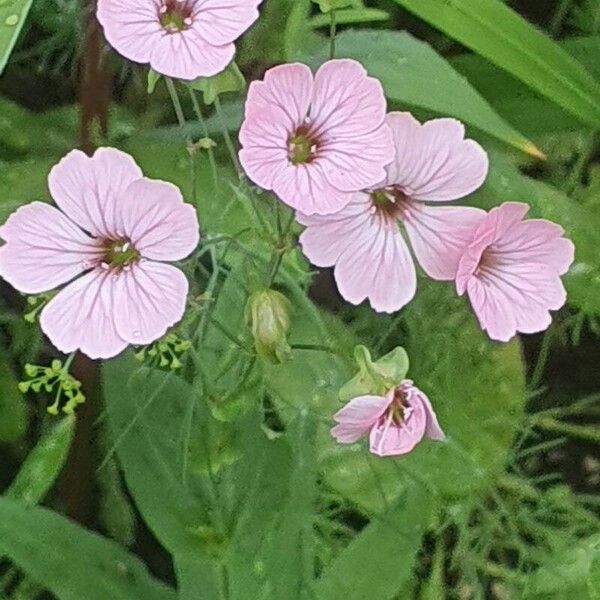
[(268, 316), (35, 305), (55, 378), (165, 353)]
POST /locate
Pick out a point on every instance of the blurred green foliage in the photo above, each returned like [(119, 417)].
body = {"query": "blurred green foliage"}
[(228, 461)]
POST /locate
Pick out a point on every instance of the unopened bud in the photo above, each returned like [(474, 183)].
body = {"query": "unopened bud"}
[(268, 316)]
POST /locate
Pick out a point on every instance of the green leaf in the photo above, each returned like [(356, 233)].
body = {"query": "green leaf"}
[(379, 561), (71, 562), (153, 79), (572, 573), (523, 107), (147, 413), (414, 75), (327, 6), (43, 464), (496, 32), (229, 80), (12, 18), (13, 413)]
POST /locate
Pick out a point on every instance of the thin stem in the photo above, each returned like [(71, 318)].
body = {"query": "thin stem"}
[(69, 361), (332, 34), (176, 103), (542, 359), (227, 137), (198, 113), (583, 432)]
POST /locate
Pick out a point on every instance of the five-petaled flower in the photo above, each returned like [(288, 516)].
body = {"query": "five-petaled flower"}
[(315, 141), (179, 38), (108, 244), (397, 422), (511, 271), (433, 163)]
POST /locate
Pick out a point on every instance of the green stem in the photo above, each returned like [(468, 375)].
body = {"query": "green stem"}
[(227, 137), (316, 347), (584, 432), (176, 103), (198, 113), (542, 359), (332, 34)]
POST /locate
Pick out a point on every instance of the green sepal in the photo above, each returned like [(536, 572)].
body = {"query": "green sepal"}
[(375, 377), (229, 80), (153, 79)]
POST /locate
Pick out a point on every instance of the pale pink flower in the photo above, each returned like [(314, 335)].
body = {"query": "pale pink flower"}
[(108, 243), (397, 422), (316, 140), (179, 38), (364, 242), (511, 271)]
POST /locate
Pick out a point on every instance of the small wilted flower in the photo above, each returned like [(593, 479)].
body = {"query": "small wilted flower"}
[(397, 422), (268, 316)]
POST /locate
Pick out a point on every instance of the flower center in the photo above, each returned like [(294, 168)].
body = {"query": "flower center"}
[(120, 253), (399, 410), (175, 15), (302, 146), (390, 202)]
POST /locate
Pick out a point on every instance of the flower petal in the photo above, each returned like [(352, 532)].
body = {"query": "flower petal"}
[(89, 189), (357, 163), (149, 299), (347, 102), (305, 187), (186, 55), (433, 161), (264, 154), (415, 396), (390, 439), (326, 237), (43, 249), (358, 416), (221, 22), (439, 236), (131, 27), (157, 221), (377, 265), (81, 317)]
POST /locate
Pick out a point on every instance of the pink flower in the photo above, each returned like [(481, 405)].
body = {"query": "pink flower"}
[(511, 271), (433, 163), (397, 421), (109, 242), (316, 141), (179, 38)]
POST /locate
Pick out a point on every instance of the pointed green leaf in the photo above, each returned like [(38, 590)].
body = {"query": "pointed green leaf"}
[(12, 18), (495, 31)]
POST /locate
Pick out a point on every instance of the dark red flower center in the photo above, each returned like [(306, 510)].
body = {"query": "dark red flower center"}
[(303, 146), (391, 203), (175, 15)]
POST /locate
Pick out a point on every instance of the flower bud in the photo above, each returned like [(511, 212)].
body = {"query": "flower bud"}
[(268, 316)]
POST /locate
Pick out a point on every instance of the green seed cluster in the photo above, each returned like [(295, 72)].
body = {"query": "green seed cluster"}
[(165, 353), (55, 378)]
